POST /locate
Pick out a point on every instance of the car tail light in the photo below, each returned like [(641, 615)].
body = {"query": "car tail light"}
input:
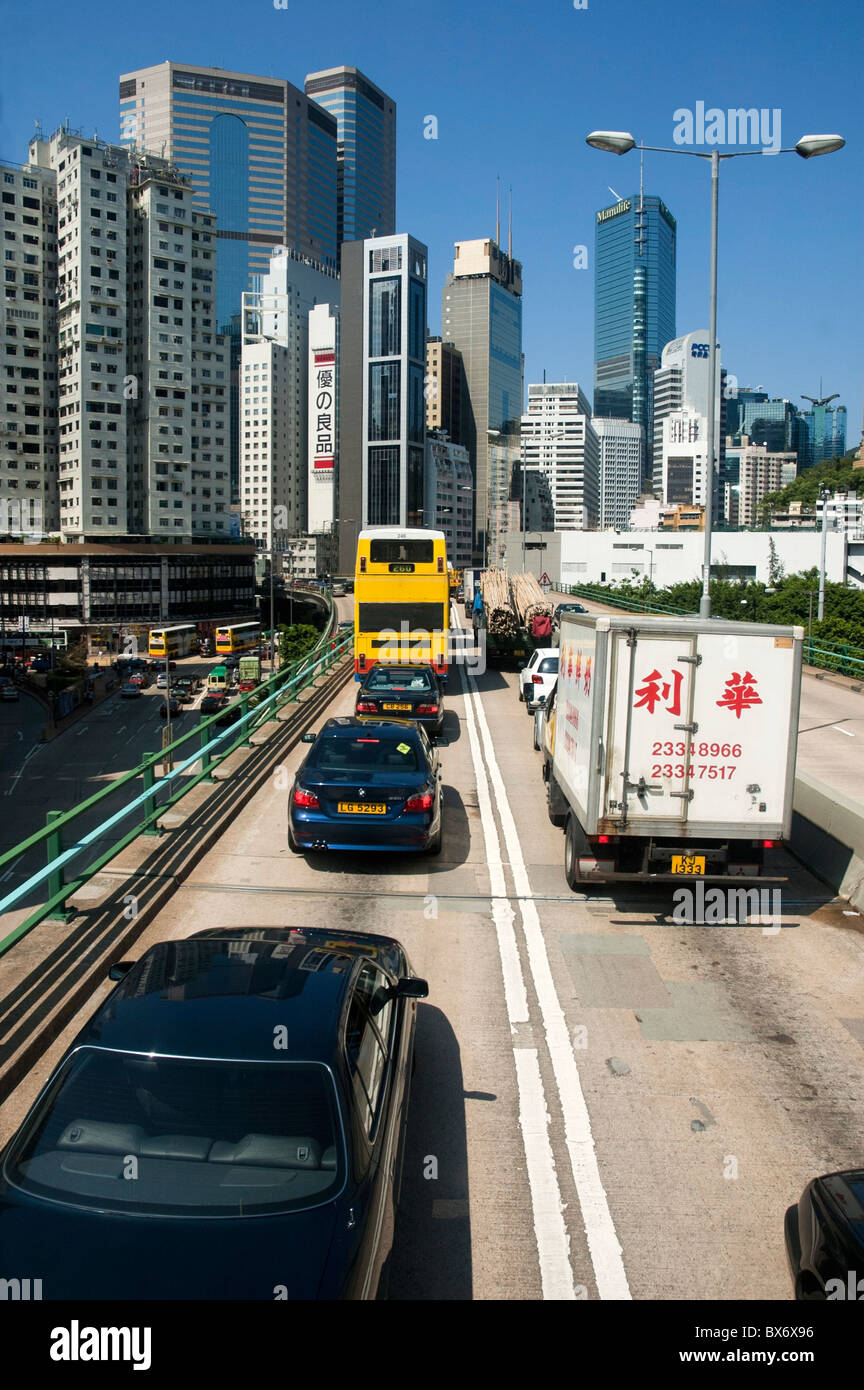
[(427, 709), (537, 680), (304, 798), (767, 844), (423, 802), (366, 707)]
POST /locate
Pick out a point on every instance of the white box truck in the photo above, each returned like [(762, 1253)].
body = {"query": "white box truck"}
[(670, 746)]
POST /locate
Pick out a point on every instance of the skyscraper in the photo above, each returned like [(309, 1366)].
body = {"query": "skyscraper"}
[(681, 390), (824, 431), (634, 304), (261, 157), (558, 438), (366, 170), (622, 465), (482, 317), (382, 415)]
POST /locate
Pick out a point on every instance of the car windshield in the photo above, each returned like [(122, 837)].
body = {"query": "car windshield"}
[(383, 678), (365, 754), (199, 1137)]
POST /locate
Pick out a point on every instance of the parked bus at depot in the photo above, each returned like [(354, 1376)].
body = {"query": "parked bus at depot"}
[(237, 637), (401, 598), (172, 641)]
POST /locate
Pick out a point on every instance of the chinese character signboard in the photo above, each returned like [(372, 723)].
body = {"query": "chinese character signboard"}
[(323, 407)]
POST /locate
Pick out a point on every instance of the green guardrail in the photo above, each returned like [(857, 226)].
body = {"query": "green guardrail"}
[(845, 658), (256, 707)]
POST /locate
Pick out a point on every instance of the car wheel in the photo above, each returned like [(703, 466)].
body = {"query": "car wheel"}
[(434, 846)]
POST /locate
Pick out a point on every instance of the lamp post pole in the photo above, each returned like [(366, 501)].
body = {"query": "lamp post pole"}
[(821, 609)]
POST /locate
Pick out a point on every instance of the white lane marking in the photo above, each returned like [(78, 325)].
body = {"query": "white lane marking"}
[(547, 1207), (502, 913), (603, 1243), (12, 868), (553, 1242), (842, 731), (20, 770)]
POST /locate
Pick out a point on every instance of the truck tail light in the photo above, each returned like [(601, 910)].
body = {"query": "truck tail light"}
[(303, 798), (366, 707), (423, 802), (602, 839), (427, 709)]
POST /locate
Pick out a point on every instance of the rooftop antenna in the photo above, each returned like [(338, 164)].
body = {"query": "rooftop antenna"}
[(510, 232), (498, 210)]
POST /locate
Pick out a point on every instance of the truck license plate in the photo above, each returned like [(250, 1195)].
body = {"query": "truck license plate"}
[(688, 863)]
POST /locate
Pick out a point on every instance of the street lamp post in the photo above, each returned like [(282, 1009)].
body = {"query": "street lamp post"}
[(825, 494), (621, 142)]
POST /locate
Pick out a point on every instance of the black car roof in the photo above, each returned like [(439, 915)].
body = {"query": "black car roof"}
[(222, 992)]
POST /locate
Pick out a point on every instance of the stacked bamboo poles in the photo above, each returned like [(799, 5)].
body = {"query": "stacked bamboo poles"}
[(529, 599), (501, 619)]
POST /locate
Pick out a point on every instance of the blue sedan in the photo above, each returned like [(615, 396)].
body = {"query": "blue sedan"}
[(367, 784)]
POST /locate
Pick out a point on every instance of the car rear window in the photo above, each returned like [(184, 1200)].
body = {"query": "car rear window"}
[(549, 665), (384, 679), (183, 1136), (365, 754)]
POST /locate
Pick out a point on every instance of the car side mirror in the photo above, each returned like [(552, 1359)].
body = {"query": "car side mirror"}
[(412, 988), (120, 969), (308, 738)]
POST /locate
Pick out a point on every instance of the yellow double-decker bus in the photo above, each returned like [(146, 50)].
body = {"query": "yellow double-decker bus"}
[(172, 641), (237, 637), (401, 598)]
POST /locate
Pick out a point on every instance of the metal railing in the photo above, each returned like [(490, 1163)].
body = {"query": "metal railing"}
[(845, 658), (213, 747)]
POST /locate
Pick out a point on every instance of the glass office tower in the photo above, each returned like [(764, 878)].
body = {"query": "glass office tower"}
[(634, 304), (366, 119), (261, 156)]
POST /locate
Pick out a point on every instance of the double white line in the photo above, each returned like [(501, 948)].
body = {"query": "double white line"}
[(553, 1242)]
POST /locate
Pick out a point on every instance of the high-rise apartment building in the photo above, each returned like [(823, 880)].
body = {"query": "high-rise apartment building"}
[(634, 305), (261, 156), (759, 472), (448, 495), (142, 380), (622, 464), (28, 332), (274, 390), (481, 311), (366, 151), (681, 391), (382, 414), (558, 438)]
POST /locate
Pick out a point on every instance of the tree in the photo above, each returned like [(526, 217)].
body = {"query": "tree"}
[(776, 568), (296, 642)]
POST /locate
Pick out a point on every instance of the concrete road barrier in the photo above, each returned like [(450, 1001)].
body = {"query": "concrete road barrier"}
[(828, 836)]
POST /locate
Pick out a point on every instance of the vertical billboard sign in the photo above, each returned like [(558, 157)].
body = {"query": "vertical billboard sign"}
[(323, 407)]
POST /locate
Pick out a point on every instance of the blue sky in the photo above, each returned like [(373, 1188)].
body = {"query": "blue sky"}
[(515, 88)]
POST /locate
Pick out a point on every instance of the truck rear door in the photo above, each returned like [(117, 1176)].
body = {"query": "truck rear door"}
[(647, 779)]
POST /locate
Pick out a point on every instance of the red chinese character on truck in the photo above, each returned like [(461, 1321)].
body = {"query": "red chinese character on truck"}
[(739, 693), (656, 689)]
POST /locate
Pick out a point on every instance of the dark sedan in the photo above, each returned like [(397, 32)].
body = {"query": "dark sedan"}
[(367, 785), (229, 1125), (175, 707), (403, 692), (825, 1238), (567, 608)]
